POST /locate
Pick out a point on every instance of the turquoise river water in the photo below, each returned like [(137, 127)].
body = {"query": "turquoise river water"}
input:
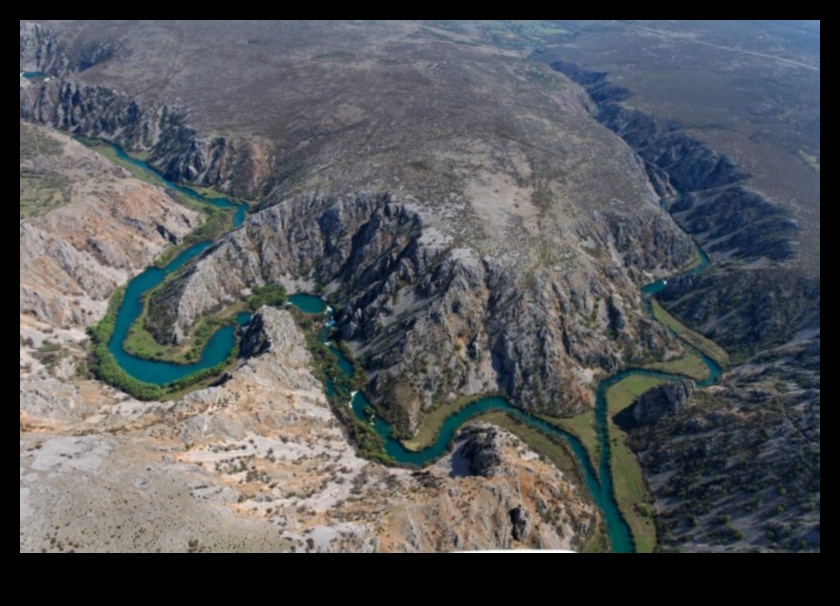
[(219, 346), (599, 483)]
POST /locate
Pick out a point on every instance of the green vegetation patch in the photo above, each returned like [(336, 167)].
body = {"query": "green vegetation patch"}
[(105, 367), (41, 192), (433, 421), (623, 394), (631, 490), (338, 387), (690, 365), (696, 340), (110, 153), (583, 428), (143, 156), (142, 344)]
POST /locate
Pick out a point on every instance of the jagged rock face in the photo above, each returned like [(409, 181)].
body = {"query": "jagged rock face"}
[(360, 240), (254, 341), (520, 522), (663, 401), (431, 320), (96, 112), (691, 165), (736, 222), (40, 50), (175, 149), (642, 241), (762, 307)]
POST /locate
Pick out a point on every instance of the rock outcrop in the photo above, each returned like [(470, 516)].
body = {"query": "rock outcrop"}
[(97, 112), (521, 525), (663, 401), (483, 448)]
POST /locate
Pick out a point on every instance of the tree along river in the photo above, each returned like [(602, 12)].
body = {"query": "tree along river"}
[(218, 348)]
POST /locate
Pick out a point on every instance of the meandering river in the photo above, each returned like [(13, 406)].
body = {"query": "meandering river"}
[(599, 484), (219, 346)]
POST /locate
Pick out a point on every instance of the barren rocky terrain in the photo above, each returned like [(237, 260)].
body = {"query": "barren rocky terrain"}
[(261, 464), (481, 202)]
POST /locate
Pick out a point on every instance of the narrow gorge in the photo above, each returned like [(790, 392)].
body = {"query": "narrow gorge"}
[(509, 254)]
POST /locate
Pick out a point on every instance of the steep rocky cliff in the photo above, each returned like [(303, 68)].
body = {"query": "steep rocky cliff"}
[(95, 112), (42, 51), (159, 129), (690, 164), (174, 148), (516, 258), (432, 321), (736, 222)]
